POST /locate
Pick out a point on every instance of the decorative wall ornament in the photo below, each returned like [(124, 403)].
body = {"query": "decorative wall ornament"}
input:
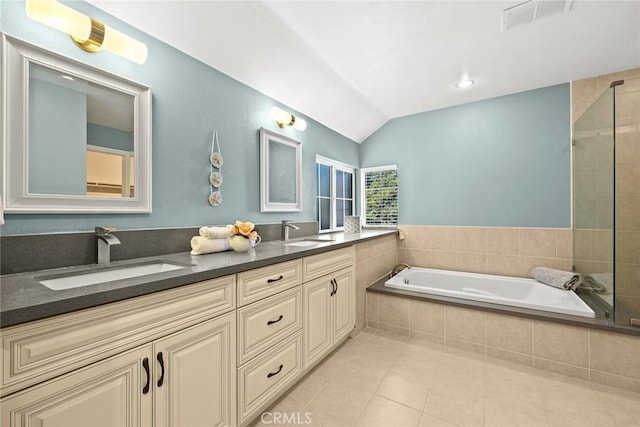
[(215, 178)]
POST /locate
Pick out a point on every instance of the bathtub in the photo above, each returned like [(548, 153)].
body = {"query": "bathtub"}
[(513, 291)]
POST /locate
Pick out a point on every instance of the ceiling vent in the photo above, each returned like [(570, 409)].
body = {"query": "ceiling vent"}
[(531, 11)]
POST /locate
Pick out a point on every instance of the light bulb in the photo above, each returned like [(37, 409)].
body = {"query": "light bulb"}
[(125, 46), (281, 117), (60, 17), (299, 123), (464, 84), (89, 34)]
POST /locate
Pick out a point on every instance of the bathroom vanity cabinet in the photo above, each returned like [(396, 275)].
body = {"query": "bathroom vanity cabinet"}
[(192, 386), (151, 360), (269, 335), (329, 302), (216, 352)]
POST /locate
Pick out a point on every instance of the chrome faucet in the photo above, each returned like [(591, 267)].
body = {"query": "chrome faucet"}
[(284, 234), (398, 268), (105, 241)]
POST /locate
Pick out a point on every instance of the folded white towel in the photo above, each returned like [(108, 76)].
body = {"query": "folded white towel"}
[(201, 245), (216, 232), (600, 283), (557, 278)]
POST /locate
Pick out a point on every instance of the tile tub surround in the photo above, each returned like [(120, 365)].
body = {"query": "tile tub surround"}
[(384, 379), (589, 354), (505, 251), (374, 259)]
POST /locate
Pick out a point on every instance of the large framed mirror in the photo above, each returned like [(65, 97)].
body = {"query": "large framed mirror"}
[(280, 173), (76, 139)]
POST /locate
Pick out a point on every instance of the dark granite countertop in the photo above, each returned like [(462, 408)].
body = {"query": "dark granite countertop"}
[(24, 299)]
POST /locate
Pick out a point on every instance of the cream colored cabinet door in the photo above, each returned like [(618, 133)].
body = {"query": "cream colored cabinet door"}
[(343, 301), (114, 392), (194, 375), (317, 339)]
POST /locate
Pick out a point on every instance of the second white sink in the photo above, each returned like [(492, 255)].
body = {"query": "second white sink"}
[(302, 243), (309, 242), (79, 279)]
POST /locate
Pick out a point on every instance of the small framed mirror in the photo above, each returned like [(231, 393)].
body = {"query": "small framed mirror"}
[(77, 139), (280, 173)]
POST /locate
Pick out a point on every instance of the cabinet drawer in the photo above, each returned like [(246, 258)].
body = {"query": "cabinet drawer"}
[(264, 323), (262, 282), (261, 380), (36, 351), (318, 265)]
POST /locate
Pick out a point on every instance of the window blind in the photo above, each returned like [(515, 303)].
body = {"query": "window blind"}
[(380, 191)]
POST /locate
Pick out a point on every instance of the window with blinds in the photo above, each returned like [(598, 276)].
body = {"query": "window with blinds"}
[(380, 196)]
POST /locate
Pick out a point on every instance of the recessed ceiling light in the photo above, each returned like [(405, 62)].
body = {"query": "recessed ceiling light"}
[(464, 84)]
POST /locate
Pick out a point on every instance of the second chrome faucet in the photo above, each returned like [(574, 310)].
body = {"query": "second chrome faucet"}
[(105, 241), (286, 225)]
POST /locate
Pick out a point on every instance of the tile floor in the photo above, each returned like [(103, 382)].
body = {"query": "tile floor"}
[(380, 379)]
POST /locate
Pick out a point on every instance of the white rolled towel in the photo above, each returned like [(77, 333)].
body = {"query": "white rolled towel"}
[(216, 232), (557, 278), (201, 245)]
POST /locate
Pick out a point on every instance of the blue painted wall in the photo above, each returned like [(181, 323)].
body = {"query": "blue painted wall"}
[(56, 136), (498, 162), (190, 100), (109, 137)]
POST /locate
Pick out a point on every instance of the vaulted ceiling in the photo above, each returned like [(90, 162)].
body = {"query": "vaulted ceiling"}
[(354, 65)]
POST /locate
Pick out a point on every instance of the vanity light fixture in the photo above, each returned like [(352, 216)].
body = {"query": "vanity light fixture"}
[(87, 33), (465, 84), (285, 119)]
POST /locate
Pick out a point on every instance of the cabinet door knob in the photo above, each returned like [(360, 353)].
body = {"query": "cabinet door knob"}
[(161, 379), (145, 365), (271, 374), (275, 280), (271, 322)]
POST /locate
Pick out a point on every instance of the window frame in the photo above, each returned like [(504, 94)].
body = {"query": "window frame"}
[(363, 201), (334, 165)]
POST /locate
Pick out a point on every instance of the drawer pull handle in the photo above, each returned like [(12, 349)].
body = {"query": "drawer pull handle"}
[(145, 365), (161, 380), (275, 280), (334, 287), (271, 374), (271, 322)]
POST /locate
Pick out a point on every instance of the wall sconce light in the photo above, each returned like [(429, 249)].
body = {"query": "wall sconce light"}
[(287, 119), (87, 33)]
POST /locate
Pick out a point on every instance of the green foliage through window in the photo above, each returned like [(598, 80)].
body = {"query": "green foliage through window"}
[(380, 186)]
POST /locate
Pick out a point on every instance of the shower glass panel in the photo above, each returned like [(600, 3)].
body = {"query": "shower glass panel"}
[(606, 203), (593, 202)]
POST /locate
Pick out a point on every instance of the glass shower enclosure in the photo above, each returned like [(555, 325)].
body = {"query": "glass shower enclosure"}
[(606, 203)]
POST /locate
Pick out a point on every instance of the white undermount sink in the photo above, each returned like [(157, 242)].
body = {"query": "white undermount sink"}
[(108, 274), (309, 242), (301, 243)]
